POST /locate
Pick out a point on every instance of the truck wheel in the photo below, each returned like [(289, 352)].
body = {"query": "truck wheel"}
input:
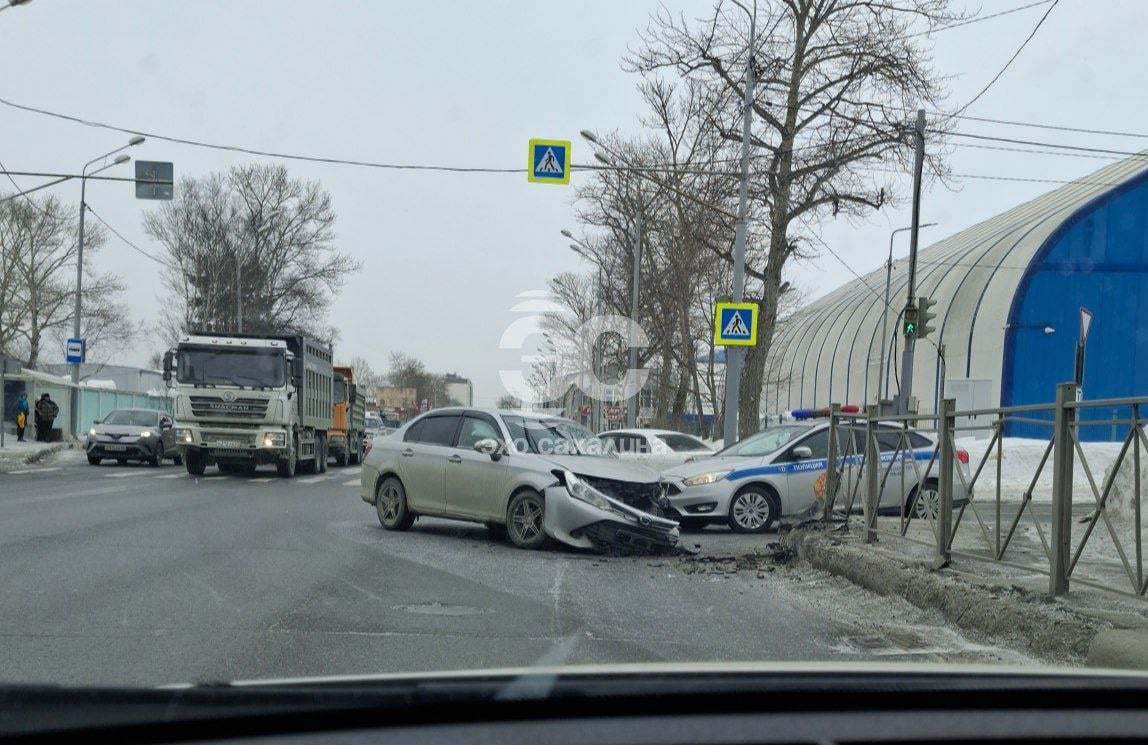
[(324, 453), (355, 457), (157, 457), (196, 462), (286, 466), (93, 460), (177, 459), (341, 459)]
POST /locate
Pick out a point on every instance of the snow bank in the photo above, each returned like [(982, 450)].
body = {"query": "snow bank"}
[(103, 385), (1121, 502), (1019, 460)]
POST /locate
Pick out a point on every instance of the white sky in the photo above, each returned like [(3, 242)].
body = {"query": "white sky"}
[(454, 83)]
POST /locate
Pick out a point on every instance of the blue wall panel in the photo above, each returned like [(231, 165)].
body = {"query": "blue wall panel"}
[(1099, 260)]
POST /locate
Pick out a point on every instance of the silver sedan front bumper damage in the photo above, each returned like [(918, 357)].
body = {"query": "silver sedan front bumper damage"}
[(620, 529)]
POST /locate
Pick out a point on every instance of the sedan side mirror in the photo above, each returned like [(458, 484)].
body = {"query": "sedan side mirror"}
[(488, 446), (801, 453)]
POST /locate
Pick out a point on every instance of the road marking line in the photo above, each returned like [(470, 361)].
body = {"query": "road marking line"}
[(32, 470), (311, 480), (262, 480), (215, 478), (172, 476), (125, 474), (352, 482)]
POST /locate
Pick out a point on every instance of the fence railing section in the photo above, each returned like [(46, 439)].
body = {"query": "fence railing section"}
[(912, 465)]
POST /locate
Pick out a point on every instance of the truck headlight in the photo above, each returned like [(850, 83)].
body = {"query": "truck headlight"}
[(92, 432), (706, 478), (579, 489), (183, 435), (274, 440)]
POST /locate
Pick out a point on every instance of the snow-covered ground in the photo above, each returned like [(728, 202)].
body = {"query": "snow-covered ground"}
[(1020, 459)]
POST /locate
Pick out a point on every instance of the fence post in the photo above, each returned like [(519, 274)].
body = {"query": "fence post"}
[(1062, 462), (831, 463), (872, 472), (947, 432)]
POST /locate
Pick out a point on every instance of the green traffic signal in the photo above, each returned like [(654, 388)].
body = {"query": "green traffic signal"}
[(910, 328)]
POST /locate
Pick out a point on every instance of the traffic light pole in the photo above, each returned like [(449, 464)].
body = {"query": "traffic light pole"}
[(906, 387)]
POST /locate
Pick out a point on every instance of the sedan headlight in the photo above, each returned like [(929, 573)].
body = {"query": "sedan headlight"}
[(706, 478), (579, 489)]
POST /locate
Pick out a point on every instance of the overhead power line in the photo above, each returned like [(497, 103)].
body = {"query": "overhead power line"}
[(130, 245), (1011, 59), (978, 19), (1056, 145)]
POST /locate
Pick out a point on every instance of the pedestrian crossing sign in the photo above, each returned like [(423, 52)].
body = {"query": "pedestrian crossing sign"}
[(735, 325), (549, 162)]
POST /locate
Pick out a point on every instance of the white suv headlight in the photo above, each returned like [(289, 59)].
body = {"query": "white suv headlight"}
[(579, 489), (706, 478), (145, 433)]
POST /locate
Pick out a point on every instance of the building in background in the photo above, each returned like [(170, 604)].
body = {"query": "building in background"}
[(396, 404), (1009, 292), (459, 390), (122, 377)]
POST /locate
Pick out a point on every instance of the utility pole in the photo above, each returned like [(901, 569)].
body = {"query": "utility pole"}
[(632, 408), (910, 342), (734, 356), (596, 360)]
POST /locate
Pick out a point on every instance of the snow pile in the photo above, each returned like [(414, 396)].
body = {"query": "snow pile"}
[(1121, 502), (1020, 458), (103, 385)]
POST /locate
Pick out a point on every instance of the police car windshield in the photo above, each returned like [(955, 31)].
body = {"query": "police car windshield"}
[(767, 441)]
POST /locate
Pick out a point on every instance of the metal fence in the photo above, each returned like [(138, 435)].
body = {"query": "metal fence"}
[(944, 491)]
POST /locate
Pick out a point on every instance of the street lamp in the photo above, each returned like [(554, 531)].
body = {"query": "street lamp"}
[(596, 357), (589, 136), (262, 229), (80, 258), (881, 382), (14, 3)]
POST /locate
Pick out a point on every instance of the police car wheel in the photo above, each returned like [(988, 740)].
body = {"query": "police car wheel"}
[(925, 503), (752, 510)]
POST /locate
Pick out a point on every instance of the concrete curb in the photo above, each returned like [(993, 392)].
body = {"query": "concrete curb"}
[(17, 460), (1046, 628)]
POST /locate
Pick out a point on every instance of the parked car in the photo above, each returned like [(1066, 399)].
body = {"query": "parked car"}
[(145, 435), (528, 475), (777, 473), (657, 448)]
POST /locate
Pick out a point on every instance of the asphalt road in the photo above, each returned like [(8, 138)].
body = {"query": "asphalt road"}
[(134, 575)]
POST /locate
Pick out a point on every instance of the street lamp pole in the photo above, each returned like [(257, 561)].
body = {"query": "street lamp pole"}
[(882, 383), (734, 356), (635, 289), (80, 263)]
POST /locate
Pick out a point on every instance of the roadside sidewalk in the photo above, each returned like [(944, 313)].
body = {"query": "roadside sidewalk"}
[(15, 455), (1006, 601)]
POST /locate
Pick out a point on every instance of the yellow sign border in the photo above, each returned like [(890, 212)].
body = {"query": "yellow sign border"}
[(530, 162), (751, 341)]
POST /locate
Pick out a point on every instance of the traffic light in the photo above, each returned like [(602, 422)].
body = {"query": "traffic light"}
[(910, 322), (925, 317)]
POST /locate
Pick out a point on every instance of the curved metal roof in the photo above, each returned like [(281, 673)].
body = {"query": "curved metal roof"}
[(829, 352)]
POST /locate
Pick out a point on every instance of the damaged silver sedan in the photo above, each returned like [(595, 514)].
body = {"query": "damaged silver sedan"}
[(531, 477)]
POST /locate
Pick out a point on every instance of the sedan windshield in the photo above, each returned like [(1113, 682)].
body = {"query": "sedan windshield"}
[(553, 436), (254, 368), (132, 417), (766, 442)]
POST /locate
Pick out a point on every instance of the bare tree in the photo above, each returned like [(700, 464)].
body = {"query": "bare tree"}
[(836, 80), (255, 225), (39, 244), (365, 375)]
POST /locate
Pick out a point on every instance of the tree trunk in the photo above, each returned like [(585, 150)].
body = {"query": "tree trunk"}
[(753, 373)]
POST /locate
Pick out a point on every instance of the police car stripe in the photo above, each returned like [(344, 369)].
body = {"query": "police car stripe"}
[(816, 465)]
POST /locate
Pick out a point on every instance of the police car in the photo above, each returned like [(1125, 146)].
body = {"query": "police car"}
[(780, 472)]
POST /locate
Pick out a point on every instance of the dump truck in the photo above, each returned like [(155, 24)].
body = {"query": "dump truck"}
[(346, 438), (245, 400)]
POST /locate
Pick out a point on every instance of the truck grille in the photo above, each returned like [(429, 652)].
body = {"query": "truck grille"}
[(240, 408)]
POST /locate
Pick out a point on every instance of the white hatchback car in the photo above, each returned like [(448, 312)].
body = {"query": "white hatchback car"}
[(777, 472), (528, 475), (657, 448)]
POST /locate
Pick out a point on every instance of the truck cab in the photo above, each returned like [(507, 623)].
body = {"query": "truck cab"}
[(246, 400), (347, 440)]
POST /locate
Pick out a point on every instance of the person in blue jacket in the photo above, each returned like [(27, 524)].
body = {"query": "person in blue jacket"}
[(22, 411)]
